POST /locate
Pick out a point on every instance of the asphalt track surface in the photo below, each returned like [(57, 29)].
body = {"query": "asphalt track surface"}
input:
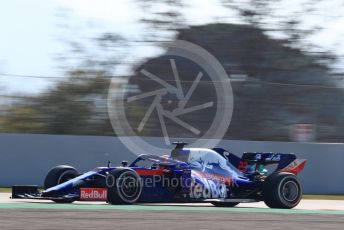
[(31, 214)]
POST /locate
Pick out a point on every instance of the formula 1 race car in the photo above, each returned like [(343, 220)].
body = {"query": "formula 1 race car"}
[(187, 175)]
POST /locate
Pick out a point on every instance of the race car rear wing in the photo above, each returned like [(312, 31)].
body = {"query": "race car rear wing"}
[(286, 162)]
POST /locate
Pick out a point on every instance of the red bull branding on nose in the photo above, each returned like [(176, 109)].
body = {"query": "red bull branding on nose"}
[(93, 194)]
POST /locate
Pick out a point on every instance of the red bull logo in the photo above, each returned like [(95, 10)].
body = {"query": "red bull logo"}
[(93, 194)]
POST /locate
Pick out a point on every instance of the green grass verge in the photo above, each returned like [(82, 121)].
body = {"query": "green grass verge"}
[(5, 189), (323, 197)]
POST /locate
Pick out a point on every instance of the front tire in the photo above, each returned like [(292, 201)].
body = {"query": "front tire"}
[(59, 175), (282, 190), (124, 186)]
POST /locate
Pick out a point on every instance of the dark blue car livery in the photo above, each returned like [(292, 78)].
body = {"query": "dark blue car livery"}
[(186, 175)]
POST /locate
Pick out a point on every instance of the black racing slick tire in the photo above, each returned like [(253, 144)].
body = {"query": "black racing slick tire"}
[(59, 175), (282, 190), (124, 186), (225, 204)]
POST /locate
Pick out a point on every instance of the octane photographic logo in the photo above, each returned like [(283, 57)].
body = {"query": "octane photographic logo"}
[(204, 188), (175, 102)]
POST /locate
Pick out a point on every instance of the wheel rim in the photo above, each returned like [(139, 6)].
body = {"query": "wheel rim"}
[(290, 191), (129, 188)]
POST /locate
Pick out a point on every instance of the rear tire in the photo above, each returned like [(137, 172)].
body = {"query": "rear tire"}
[(225, 204), (282, 190), (59, 175), (124, 186)]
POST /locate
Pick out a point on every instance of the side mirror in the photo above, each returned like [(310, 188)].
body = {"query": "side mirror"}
[(124, 163), (155, 166)]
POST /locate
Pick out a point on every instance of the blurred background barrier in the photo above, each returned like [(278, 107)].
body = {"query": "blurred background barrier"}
[(26, 158)]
